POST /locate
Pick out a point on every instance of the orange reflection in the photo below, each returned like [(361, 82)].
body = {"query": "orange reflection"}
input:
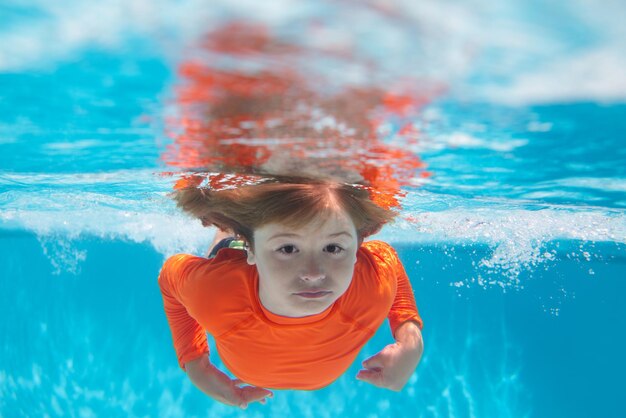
[(252, 107)]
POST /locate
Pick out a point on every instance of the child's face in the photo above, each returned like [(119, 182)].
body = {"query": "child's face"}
[(303, 271)]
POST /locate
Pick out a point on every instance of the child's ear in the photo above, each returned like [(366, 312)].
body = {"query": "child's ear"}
[(251, 259)]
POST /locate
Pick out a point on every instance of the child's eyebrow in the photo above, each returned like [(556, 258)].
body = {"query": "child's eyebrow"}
[(292, 235), (284, 235), (340, 233)]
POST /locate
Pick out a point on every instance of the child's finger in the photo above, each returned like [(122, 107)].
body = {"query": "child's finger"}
[(253, 393), (373, 376), (373, 362)]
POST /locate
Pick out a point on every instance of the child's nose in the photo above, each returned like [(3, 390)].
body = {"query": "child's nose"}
[(312, 277), (312, 271)]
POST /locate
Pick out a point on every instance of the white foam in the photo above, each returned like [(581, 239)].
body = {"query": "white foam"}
[(496, 226), (61, 233), (167, 233), (517, 237)]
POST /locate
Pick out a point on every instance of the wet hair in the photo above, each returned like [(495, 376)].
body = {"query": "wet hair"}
[(290, 201)]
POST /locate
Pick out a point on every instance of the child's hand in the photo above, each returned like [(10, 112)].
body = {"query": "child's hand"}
[(393, 366), (222, 388), (231, 392)]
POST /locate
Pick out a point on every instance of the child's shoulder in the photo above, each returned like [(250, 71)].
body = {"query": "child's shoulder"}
[(381, 253), (378, 248), (191, 268), (181, 262), (375, 274)]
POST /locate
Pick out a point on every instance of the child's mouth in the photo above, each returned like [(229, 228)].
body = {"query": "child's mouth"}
[(314, 295)]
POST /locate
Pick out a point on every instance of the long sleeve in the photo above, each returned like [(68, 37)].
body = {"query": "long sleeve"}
[(190, 341), (404, 307)]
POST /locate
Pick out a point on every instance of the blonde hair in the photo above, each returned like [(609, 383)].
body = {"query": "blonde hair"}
[(291, 201)]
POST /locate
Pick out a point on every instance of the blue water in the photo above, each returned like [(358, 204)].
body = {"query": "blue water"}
[(515, 245)]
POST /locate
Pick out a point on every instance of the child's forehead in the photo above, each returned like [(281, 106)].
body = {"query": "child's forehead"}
[(324, 222)]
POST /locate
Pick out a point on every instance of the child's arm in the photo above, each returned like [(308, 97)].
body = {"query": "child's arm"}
[(190, 340), (393, 366), (216, 384), (189, 337)]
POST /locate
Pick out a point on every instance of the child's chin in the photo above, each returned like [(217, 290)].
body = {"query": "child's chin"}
[(314, 306)]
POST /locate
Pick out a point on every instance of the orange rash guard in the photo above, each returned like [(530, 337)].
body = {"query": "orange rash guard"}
[(220, 295)]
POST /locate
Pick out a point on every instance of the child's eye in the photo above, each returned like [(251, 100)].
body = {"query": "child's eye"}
[(333, 249), (287, 249)]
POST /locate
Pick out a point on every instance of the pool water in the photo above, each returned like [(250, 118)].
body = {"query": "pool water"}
[(503, 126)]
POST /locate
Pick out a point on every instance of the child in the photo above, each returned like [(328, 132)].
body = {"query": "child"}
[(293, 309)]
